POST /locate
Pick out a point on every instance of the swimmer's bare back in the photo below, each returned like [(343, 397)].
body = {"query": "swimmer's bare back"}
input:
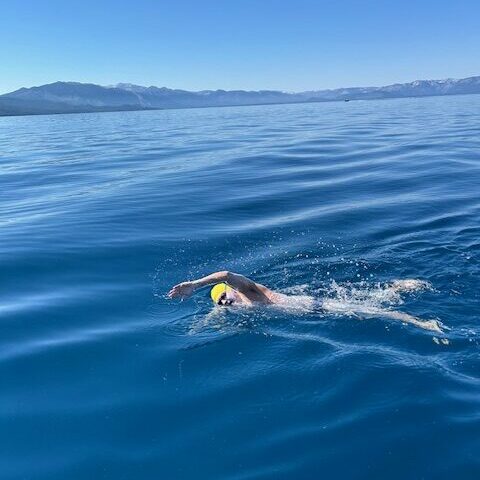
[(246, 290)]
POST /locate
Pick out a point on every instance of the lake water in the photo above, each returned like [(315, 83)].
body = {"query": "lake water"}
[(102, 377)]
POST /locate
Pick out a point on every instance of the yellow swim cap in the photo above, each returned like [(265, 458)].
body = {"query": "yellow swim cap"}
[(217, 290)]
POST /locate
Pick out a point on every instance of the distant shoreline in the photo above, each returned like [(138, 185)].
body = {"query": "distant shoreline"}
[(76, 97), (149, 109)]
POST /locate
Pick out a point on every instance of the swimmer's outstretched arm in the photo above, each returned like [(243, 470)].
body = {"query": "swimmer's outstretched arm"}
[(239, 282)]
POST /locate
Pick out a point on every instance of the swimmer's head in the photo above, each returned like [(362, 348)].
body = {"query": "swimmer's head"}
[(222, 294)]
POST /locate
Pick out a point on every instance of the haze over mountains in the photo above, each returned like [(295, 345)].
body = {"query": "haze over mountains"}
[(71, 97)]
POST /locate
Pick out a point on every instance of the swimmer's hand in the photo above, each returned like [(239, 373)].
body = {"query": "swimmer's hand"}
[(182, 290)]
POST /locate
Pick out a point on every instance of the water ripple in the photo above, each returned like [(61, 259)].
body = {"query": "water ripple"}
[(103, 377)]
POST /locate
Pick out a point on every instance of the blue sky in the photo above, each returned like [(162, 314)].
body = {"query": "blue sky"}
[(285, 45)]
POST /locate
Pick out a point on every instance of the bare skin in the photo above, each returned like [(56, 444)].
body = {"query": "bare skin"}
[(245, 291)]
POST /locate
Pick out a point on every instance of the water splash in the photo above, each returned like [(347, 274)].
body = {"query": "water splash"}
[(365, 300), (361, 300)]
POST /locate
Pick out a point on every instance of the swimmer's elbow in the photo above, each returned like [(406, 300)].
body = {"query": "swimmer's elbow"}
[(234, 277), (222, 276), (239, 282)]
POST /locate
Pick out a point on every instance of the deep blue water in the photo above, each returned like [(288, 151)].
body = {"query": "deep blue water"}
[(103, 377)]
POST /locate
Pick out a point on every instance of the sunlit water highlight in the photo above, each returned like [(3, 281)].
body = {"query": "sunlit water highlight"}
[(365, 215)]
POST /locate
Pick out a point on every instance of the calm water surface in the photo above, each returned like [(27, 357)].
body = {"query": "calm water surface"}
[(100, 214)]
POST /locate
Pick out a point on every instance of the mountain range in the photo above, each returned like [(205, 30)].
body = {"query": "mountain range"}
[(74, 97)]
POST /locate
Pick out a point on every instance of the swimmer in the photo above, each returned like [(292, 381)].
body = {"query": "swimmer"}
[(229, 288), (234, 289)]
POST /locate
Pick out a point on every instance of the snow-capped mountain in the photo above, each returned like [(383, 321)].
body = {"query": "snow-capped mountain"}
[(63, 97)]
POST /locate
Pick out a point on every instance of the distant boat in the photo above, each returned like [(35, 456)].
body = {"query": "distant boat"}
[(346, 100)]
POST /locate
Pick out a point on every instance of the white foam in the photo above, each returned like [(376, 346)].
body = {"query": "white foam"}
[(361, 300)]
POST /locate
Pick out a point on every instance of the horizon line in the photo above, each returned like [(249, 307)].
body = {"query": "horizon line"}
[(245, 90)]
